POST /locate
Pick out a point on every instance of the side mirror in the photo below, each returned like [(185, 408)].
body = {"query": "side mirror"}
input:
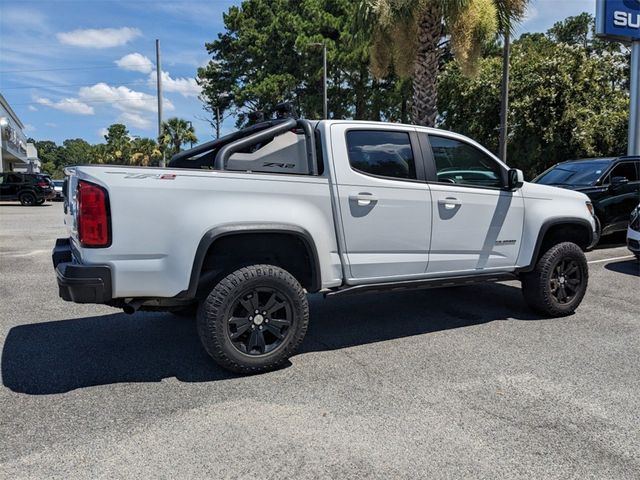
[(515, 179), (619, 181)]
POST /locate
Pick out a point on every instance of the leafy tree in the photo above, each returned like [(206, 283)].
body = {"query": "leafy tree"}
[(567, 100), (75, 152), (407, 38), (175, 133), (267, 55), (118, 143)]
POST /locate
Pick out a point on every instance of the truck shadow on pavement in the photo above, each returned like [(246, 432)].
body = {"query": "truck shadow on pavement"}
[(59, 356), (630, 267)]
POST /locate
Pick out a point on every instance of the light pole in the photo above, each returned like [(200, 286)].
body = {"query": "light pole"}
[(4, 121), (325, 111), (634, 107)]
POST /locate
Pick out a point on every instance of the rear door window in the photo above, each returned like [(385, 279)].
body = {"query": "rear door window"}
[(381, 153)]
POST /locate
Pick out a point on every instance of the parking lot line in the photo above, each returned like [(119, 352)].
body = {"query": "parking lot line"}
[(610, 259)]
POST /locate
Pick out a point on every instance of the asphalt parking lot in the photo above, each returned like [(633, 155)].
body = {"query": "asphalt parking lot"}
[(455, 383)]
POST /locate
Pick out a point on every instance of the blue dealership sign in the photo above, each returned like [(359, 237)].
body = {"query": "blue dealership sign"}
[(618, 19)]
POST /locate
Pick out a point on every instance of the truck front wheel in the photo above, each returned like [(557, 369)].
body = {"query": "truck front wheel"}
[(254, 319), (557, 284)]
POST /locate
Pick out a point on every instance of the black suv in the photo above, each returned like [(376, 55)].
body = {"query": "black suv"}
[(29, 188), (612, 184)]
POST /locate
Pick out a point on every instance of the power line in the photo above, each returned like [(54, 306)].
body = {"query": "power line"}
[(74, 68), (75, 100), (139, 82)]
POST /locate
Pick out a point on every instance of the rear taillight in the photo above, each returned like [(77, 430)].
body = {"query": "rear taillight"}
[(93, 215), (43, 184)]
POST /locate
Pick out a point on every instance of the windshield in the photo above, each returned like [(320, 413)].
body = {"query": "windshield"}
[(574, 173)]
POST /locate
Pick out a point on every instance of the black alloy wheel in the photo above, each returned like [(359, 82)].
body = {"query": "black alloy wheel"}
[(565, 280), (260, 321)]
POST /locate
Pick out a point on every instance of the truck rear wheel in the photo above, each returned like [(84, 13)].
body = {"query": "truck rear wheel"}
[(557, 284), (254, 319)]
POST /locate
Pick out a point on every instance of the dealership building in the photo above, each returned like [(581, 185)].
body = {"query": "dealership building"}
[(16, 155)]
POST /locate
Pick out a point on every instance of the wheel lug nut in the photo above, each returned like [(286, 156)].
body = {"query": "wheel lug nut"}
[(264, 313), (250, 318), (257, 311), (260, 327), (266, 320)]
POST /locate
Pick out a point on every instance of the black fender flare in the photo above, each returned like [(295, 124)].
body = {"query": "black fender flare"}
[(575, 221), (241, 228)]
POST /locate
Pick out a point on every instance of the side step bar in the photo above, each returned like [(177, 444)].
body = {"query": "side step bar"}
[(422, 284)]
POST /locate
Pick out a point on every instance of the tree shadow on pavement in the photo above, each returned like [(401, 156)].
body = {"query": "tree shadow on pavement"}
[(59, 356), (630, 267)]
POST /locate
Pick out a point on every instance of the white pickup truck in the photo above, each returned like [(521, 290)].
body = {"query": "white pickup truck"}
[(244, 227)]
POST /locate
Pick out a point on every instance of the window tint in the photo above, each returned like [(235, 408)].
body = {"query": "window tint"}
[(626, 169), (460, 163), (14, 178), (387, 154)]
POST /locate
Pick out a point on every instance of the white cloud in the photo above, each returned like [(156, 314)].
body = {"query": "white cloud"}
[(68, 105), (136, 120), (135, 62), (186, 86), (137, 109), (24, 19), (51, 125), (122, 98), (102, 132), (31, 108), (99, 37)]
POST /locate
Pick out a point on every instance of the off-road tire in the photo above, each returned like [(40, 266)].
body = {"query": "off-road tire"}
[(215, 310), (536, 285), (27, 199)]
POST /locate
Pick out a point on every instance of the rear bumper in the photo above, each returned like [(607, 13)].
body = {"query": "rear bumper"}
[(77, 282)]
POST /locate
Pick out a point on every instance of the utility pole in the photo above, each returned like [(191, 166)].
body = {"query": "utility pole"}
[(159, 83), (325, 111), (504, 104), (634, 107)]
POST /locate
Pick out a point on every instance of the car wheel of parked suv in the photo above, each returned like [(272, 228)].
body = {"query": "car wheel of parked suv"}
[(557, 284), (40, 202), (254, 319), (27, 199)]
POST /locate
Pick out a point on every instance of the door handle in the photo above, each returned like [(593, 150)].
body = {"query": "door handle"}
[(363, 199), (449, 203)]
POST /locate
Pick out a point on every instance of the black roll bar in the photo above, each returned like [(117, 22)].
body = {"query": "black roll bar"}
[(225, 152)]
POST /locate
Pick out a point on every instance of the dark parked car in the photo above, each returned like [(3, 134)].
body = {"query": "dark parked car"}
[(29, 188), (612, 184)]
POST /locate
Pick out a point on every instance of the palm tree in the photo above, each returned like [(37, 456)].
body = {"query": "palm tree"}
[(406, 37), (145, 152), (176, 132)]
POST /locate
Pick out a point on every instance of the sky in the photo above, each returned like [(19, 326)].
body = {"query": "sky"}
[(71, 68)]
